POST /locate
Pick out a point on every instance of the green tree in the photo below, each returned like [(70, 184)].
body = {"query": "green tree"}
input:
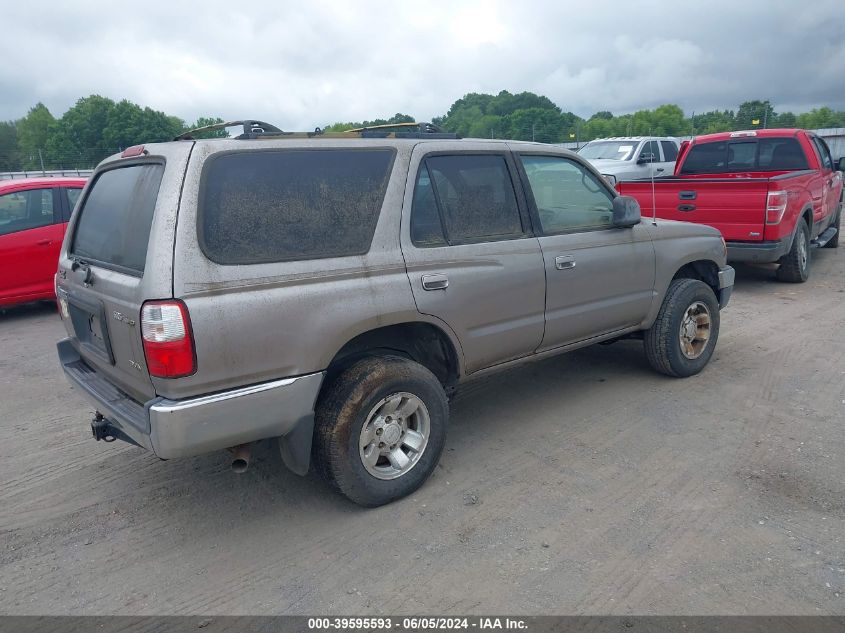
[(204, 122), (77, 139), (9, 154), (750, 111), (33, 131)]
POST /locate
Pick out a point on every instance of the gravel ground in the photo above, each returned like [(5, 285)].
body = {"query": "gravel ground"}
[(583, 484)]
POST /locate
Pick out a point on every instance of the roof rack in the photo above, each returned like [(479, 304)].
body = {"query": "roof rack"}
[(250, 126), (259, 129)]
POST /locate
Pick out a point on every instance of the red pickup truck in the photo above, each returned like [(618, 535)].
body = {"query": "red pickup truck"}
[(772, 193)]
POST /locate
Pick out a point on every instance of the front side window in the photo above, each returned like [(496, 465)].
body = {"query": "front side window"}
[(650, 152), (463, 199), (568, 196), (22, 210), (284, 205)]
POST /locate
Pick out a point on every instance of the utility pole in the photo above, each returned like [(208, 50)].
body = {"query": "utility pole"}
[(491, 132), (532, 132), (41, 158), (765, 117), (692, 124)]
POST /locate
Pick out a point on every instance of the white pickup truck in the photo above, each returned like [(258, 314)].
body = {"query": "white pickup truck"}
[(632, 157)]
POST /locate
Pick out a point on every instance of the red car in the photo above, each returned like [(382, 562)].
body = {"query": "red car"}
[(772, 193), (33, 217)]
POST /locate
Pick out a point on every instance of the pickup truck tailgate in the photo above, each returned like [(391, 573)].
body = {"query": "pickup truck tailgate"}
[(734, 206)]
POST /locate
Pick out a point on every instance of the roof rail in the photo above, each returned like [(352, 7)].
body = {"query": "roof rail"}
[(259, 129), (250, 127)]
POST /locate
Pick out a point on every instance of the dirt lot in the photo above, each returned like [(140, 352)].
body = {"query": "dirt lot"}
[(582, 484)]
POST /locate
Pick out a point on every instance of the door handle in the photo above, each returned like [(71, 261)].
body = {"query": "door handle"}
[(659, 169), (44, 242), (435, 282), (564, 262)]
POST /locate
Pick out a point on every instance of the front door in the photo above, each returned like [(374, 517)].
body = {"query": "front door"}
[(599, 279), (31, 233), (471, 258)]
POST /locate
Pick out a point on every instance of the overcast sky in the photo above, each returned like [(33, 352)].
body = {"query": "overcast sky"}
[(304, 64)]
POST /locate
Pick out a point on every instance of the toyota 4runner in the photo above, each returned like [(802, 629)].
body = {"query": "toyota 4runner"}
[(332, 291)]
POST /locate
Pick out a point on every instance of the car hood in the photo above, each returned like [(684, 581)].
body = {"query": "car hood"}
[(610, 166)]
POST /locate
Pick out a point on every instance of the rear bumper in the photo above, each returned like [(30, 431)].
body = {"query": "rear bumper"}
[(726, 285), (758, 252), (180, 428)]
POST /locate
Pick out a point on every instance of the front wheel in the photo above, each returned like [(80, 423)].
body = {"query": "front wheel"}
[(379, 429), (683, 336)]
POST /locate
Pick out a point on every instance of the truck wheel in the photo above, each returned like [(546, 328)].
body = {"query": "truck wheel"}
[(683, 337), (834, 241), (379, 429), (795, 265)]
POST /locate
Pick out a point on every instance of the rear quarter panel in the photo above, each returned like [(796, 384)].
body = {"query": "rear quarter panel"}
[(258, 322)]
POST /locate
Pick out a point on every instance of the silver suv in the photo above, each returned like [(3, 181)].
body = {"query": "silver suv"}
[(333, 291)]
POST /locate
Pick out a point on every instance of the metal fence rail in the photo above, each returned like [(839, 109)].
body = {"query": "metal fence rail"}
[(15, 175)]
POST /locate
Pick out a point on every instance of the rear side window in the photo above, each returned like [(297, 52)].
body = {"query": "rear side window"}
[(670, 151), (473, 195), (23, 210), (765, 154), (116, 215), (823, 152), (273, 206)]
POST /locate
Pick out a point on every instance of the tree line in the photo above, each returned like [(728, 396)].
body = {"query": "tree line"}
[(96, 126), (530, 117)]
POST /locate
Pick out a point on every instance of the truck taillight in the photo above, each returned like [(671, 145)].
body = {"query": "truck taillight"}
[(775, 206), (168, 343)]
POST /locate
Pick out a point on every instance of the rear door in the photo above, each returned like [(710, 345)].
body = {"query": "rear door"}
[(831, 181), (599, 278), (30, 237), (471, 257), (118, 253)]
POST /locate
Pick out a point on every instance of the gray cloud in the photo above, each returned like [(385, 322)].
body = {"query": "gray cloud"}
[(306, 64)]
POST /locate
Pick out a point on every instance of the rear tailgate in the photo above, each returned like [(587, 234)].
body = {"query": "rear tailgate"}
[(118, 253), (734, 206)]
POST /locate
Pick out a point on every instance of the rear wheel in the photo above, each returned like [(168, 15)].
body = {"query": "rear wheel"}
[(683, 336), (379, 429), (795, 265)]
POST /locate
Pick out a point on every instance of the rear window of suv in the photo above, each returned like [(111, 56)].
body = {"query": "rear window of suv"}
[(114, 222), (282, 205)]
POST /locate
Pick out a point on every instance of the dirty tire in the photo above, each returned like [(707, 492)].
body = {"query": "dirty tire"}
[(834, 241), (343, 410), (795, 265), (662, 342)]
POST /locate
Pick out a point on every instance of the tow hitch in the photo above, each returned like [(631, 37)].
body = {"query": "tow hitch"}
[(104, 430)]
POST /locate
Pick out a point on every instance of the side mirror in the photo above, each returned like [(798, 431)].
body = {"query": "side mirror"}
[(840, 164), (626, 212), (646, 158)]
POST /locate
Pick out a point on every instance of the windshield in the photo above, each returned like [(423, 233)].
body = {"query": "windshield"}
[(614, 150)]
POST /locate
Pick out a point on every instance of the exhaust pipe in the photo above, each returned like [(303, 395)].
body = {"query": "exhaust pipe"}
[(241, 455)]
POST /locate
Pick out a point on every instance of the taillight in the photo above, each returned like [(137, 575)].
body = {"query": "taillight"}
[(775, 206), (168, 344)]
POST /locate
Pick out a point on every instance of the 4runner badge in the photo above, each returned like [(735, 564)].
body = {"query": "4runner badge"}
[(119, 316)]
